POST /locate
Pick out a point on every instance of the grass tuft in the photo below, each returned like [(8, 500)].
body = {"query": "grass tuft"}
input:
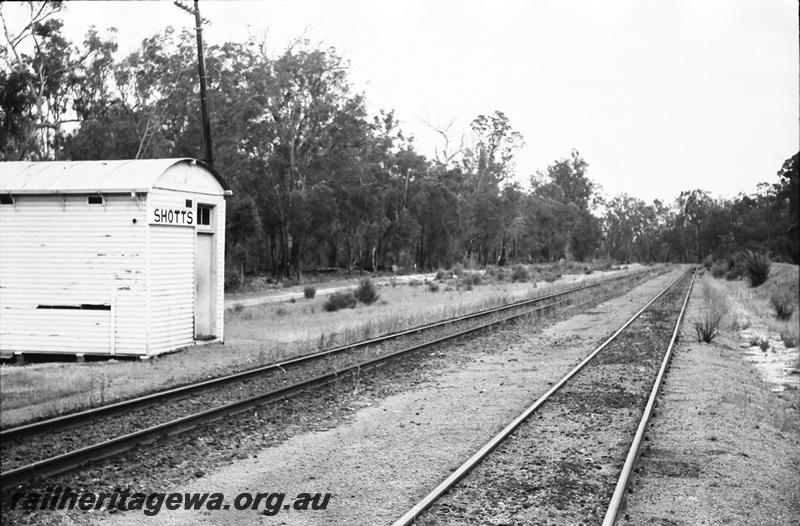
[(707, 326), (715, 307)]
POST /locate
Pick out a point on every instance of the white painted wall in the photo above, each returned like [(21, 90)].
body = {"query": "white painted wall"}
[(56, 251), (172, 270)]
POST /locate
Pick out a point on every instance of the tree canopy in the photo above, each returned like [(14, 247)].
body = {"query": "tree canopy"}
[(320, 182)]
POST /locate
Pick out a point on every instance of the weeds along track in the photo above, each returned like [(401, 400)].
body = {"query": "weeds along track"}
[(61, 444), (559, 462)]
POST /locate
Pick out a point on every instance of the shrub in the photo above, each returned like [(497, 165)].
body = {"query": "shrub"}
[(237, 308), (502, 275), (707, 327), (757, 268), (232, 281), (715, 307), (783, 304), (789, 338), (718, 270), (735, 266), (471, 278), (491, 271), (433, 286), (340, 300), (520, 273), (549, 277), (442, 274), (309, 291), (708, 262), (366, 293), (414, 283), (457, 270)]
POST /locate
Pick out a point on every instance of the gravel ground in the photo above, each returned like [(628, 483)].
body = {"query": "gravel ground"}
[(40, 447), (376, 441), (725, 447), (560, 467)]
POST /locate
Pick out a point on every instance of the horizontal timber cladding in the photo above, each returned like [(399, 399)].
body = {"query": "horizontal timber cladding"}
[(99, 256), (67, 267), (172, 267), (53, 330), (171, 270)]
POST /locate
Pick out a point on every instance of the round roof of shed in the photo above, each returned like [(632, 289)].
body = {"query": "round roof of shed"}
[(79, 177)]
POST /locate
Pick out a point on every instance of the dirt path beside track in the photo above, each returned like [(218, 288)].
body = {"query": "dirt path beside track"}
[(724, 447)]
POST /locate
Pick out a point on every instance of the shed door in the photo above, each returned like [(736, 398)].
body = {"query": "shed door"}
[(205, 300)]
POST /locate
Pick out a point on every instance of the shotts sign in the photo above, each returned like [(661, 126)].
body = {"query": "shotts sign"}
[(165, 214)]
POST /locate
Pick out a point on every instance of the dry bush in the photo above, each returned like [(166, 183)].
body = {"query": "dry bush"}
[(782, 303), (309, 291), (707, 326), (789, 338), (549, 277), (433, 286), (715, 307), (471, 278), (366, 292), (718, 270), (520, 273), (757, 268), (340, 300)]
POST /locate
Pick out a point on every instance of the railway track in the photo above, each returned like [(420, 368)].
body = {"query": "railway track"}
[(115, 436), (456, 500)]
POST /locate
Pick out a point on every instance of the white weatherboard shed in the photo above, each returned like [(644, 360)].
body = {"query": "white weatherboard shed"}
[(110, 257)]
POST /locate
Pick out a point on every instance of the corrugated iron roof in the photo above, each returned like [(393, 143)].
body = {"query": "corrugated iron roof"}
[(71, 177)]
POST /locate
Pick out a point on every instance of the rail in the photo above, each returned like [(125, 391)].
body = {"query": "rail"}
[(410, 516)]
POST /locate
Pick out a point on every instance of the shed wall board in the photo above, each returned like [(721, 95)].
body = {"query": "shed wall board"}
[(220, 218), (171, 258), (57, 250), (62, 251), (171, 287)]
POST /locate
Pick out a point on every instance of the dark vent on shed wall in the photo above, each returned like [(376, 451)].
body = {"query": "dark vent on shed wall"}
[(82, 306)]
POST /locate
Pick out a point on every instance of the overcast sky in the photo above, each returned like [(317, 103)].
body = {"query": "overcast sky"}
[(658, 96)]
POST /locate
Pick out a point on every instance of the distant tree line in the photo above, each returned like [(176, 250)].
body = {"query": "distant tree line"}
[(319, 182)]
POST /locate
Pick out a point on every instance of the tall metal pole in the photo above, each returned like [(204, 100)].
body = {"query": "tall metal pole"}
[(201, 66)]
